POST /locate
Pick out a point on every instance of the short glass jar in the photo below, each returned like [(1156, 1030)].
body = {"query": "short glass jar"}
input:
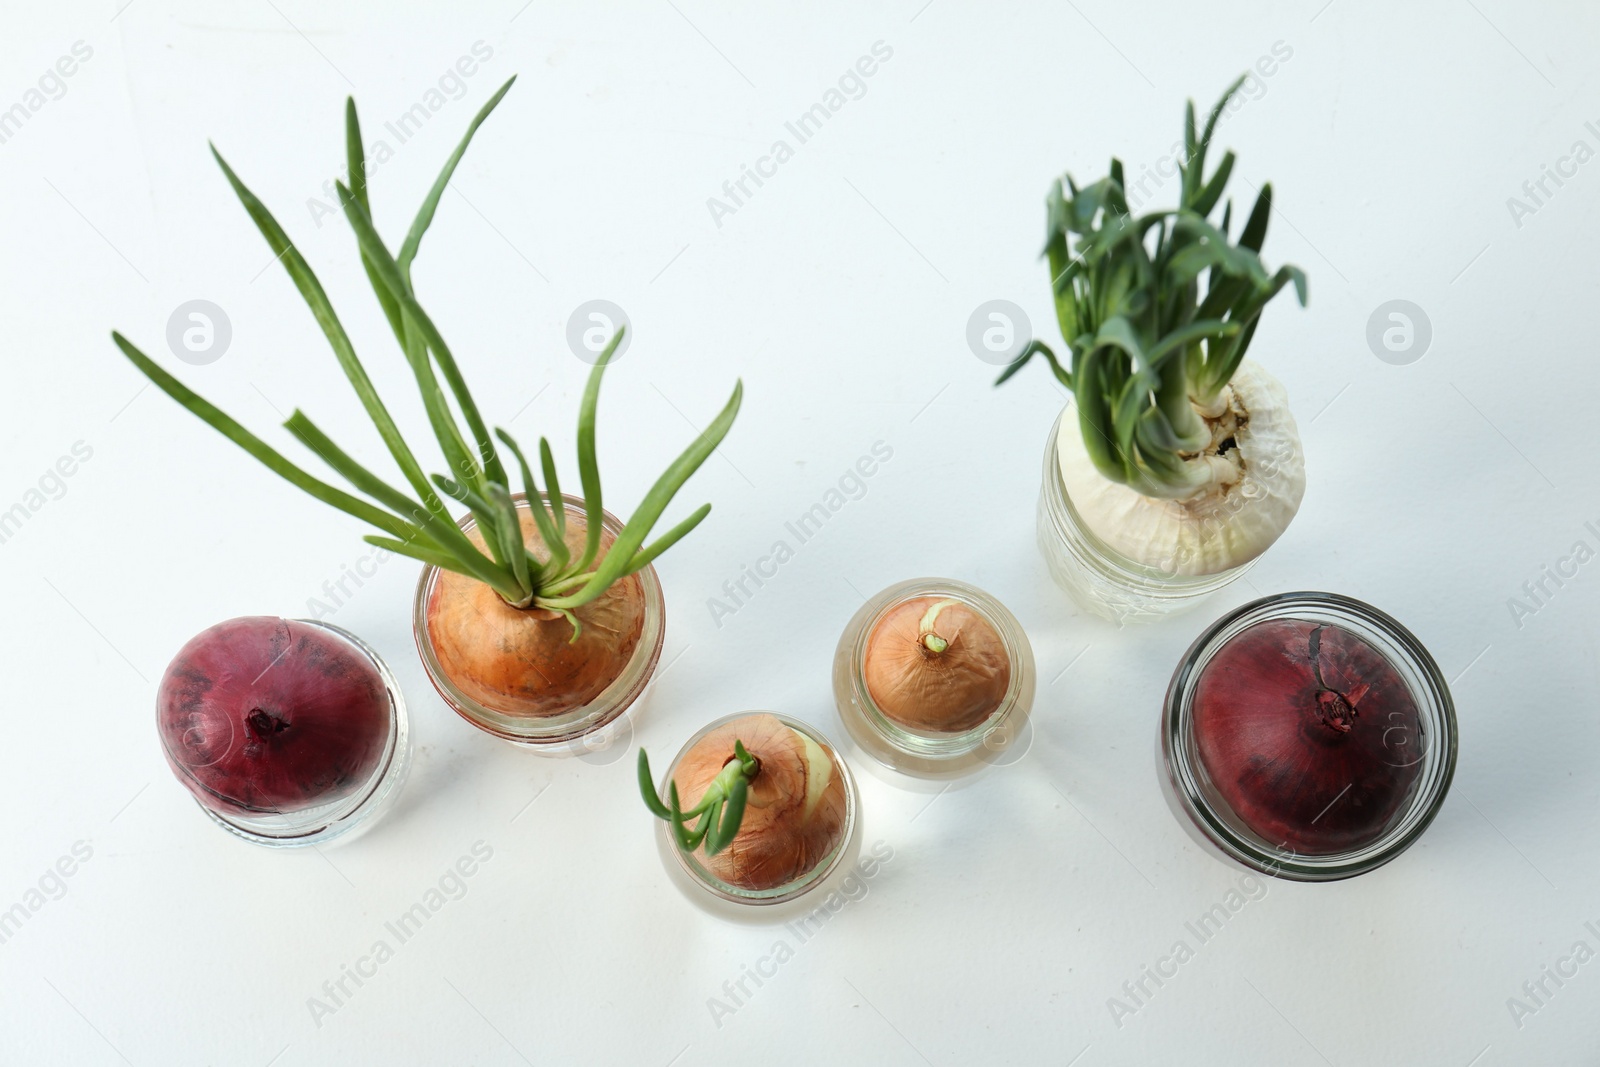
[(344, 818), (926, 752), (1433, 751), (732, 901), (1099, 578), (585, 727)]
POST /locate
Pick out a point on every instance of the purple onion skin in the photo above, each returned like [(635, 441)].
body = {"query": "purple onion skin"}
[(260, 715), (1310, 735)]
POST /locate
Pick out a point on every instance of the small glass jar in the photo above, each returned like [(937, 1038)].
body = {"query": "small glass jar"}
[(586, 728), (731, 901), (1435, 752), (344, 818), (1099, 578), (930, 753)]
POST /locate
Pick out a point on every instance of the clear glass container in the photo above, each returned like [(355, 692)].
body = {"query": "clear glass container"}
[(928, 753), (729, 901), (1212, 815), (1100, 579), (585, 729), (344, 818)]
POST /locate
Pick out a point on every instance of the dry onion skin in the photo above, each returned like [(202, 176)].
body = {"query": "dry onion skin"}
[(790, 815), (935, 663), (527, 662)]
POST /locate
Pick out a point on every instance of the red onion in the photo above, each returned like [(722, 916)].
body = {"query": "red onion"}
[(1309, 733), (265, 715)]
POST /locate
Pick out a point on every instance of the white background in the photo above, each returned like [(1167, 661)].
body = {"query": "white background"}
[(1012, 910)]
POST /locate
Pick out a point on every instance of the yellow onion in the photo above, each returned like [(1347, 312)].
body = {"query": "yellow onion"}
[(936, 664), (794, 813), (523, 661)]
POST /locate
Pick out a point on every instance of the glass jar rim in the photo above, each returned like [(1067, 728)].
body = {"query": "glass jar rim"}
[(1435, 706)]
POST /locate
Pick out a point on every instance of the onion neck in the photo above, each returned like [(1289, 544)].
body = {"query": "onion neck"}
[(264, 724), (930, 641), (1334, 710)]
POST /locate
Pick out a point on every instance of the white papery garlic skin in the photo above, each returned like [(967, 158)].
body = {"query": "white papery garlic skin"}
[(1254, 489)]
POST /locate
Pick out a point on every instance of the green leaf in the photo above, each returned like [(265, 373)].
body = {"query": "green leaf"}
[(647, 555), (430, 204), (1193, 156), (1255, 230), (1134, 398), (389, 273), (442, 560), (687, 840), (312, 292), (552, 485), (1235, 261), (487, 515), (356, 164), (647, 789), (1188, 335), (525, 570), (1211, 192), (638, 527), (1118, 333), (1094, 416), (1298, 276), (1199, 162), (588, 463), (1033, 348), (541, 516), (442, 534), (727, 828), (262, 451)]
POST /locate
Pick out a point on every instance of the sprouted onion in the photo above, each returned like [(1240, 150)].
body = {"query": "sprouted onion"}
[(557, 580), (766, 802), (1150, 353)]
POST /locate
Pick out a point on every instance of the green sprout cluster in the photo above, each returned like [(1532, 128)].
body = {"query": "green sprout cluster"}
[(418, 525), (1150, 348), (720, 810)]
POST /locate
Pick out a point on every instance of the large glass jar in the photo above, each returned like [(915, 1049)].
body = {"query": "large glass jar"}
[(1309, 736)]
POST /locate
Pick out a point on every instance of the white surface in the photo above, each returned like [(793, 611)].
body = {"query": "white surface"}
[(1011, 911)]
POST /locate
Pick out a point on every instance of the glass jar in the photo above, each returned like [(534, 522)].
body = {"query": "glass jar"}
[(1433, 752), (587, 727), (320, 824), (1100, 579), (925, 752), (728, 900)]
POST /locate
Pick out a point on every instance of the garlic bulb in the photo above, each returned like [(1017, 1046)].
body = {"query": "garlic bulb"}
[(1257, 478)]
